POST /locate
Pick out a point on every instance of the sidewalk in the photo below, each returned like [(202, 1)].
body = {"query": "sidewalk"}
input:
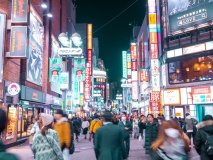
[(84, 151)]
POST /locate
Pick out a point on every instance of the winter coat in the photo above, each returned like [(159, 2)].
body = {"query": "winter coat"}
[(109, 143), (4, 155), (95, 124), (126, 133), (190, 122), (200, 138), (62, 127), (151, 134), (47, 147)]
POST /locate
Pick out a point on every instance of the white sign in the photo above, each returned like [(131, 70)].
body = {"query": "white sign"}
[(13, 89), (156, 83), (64, 80), (194, 49), (126, 85), (154, 66), (70, 51), (171, 96), (134, 90), (134, 75)]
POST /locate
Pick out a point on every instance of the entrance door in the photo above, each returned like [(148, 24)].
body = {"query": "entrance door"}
[(208, 110), (179, 112)]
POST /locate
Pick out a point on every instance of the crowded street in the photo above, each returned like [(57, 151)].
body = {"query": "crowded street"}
[(85, 151)]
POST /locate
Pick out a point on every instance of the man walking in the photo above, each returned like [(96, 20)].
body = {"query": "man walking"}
[(190, 124), (109, 141), (126, 127), (95, 124)]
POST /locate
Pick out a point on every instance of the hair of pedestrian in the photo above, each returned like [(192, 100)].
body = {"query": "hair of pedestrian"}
[(162, 135), (207, 117), (45, 129), (150, 115)]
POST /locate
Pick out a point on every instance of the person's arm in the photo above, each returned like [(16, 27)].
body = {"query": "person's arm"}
[(97, 145), (67, 134)]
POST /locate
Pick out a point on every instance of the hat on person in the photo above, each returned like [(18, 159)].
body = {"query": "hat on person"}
[(46, 119), (59, 111)]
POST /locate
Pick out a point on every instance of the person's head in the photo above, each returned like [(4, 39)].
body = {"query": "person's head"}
[(39, 117), (85, 119), (187, 114), (77, 115), (106, 117), (142, 117), (47, 121), (150, 118), (96, 116), (160, 120), (123, 116), (207, 118), (170, 130), (59, 114), (3, 120)]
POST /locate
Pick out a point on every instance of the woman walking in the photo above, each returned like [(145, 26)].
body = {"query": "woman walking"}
[(85, 126), (46, 143)]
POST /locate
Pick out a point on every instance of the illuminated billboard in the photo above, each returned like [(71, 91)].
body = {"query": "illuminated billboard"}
[(185, 15)]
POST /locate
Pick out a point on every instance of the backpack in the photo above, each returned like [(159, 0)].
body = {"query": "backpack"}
[(209, 144)]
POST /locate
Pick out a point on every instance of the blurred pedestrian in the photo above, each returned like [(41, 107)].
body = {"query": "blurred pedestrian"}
[(151, 131), (126, 127), (190, 126), (40, 121), (170, 144), (115, 119), (141, 130), (204, 138), (109, 141), (160, 121), (3, 154), (135, 126), (95, 124), (46, 144), (77, 127), (33, 129), (62, 127), (85, 126)]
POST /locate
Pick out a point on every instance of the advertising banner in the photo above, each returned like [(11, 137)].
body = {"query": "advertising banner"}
[(144, 75), (202, 95), (64, 80), (90, 61), (185, 14), (171, 97), (2, 35), (152, 20), (155, 101), (133, 52), (155, 66), (69, 101), (134, 90), (89, 36), (35, 58), (134, 66), (153, 51), (19, 11), (156, 82), (18, 42), (124, 58), (79, 68), (76, 91), (87, 84), (11, 122)]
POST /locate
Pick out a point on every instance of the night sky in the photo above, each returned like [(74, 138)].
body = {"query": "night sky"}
[(116, 36)]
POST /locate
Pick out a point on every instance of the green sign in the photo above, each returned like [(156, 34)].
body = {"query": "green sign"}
[(79, 68)]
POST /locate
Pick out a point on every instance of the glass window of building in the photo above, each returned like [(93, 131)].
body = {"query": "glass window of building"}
[(191, 70)]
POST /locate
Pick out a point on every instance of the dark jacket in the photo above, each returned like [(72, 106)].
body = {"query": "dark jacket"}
[(4, 155), (151, 134), (76, 126), (200, 138), (140, 127), (126, 133), (109, 143)]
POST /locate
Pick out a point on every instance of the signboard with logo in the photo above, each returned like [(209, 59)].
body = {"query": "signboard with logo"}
[(185, 14), (11, 122), (194, 49), (19, 11), (144, 75), (124, 57), (55, 69), (64, 80), (154, 101), (35, 56), (133, 52), (153, 50), (171, 97), (89, 36), (13, 89), (79, 68), (202, 95), (18, 42), (2, 35)]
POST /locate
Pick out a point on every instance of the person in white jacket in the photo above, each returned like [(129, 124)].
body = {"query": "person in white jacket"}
[(34, 129), (85, 126)]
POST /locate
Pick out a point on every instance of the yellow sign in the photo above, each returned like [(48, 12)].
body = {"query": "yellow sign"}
[(152, 18), (178, 114), (89, 36), (11, 122)]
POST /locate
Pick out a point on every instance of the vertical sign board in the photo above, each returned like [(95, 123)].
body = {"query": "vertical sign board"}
[(2, 35), (19, 11), (124, 57), (155, 101), (134, 69), (18, 42), (87, 84), (134, 90), (64, 80), (89, 46)]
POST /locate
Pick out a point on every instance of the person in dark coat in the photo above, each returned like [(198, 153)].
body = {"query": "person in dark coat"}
[(126, 127), (151, 131), (109, 140), (205, 127), (77, 127), (3, 154)]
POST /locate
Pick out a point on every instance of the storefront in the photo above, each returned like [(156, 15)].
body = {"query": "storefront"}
[(54, 103), (32, 103)]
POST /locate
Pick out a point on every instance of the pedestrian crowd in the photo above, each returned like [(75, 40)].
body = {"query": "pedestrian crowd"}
[(53, 137)]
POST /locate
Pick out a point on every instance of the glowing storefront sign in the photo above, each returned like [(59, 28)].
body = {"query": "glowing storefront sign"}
[(124, 56)]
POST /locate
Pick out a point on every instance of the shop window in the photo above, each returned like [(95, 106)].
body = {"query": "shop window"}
[(166, 112), (192, 109), (191, 70)]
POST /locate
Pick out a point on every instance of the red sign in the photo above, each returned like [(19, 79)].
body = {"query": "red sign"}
[(90, 61), (153, 37), (133, 52), (153, 51), (155, 106), (87, 84), (144, 76), (134, 66), (154, 101), (201, 90)]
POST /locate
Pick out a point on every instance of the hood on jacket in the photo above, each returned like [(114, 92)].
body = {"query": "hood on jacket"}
[(63, 119), (96, 119), (188, 117), (206, 126)]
